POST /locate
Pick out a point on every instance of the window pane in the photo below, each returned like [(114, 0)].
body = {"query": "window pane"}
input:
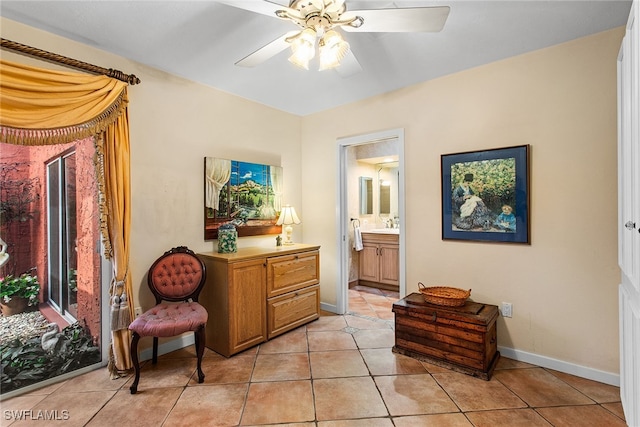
[(70, 291), (53, 220)]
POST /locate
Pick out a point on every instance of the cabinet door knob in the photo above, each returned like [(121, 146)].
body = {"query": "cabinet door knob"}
[(630, 225)]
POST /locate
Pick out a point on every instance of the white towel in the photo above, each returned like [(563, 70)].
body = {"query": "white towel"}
[(357, 239)]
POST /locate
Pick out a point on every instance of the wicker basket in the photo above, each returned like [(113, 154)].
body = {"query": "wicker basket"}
[(443, 295)]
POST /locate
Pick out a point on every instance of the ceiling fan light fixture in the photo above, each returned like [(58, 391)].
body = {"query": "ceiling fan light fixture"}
[(303, 47), (333, 49)]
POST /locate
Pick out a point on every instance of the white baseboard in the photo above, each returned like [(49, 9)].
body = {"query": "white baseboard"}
[(522, 356), (168, 347), (561, 366), (331, 308)]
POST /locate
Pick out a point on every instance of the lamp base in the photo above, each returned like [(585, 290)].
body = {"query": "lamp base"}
[(288, 230)]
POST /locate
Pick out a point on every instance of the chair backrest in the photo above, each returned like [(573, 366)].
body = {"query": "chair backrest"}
[(178, 275)]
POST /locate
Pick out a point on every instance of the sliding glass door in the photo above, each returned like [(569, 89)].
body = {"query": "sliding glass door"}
[(62, 234)]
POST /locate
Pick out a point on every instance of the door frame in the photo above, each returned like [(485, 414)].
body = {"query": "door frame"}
[(342, 212)]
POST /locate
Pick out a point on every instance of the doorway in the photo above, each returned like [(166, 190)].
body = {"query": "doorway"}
[(348, 194)]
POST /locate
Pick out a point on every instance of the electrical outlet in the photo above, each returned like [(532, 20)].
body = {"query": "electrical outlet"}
[(137, 311), (507, 309)]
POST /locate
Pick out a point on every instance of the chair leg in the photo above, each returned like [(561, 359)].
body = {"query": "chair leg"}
[(154, 360), (136, 364), (199, 338)]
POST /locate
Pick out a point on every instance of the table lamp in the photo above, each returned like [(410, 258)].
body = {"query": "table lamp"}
[(288, 216)]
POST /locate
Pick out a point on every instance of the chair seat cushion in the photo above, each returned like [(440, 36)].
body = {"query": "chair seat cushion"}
[(167, 320)]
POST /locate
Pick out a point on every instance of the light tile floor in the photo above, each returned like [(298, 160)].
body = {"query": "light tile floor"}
[(338, 371), (372, 302)]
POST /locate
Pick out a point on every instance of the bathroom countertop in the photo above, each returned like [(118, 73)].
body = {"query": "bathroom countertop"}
[(383, 231)]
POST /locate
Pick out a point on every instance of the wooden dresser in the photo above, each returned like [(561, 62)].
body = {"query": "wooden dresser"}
[(459, 338), (258, 293)]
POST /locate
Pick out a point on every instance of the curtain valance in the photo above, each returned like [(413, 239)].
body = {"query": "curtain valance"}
[(42, 107)]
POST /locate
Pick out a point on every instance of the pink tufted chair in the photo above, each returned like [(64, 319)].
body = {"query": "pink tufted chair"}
[(178, 277)]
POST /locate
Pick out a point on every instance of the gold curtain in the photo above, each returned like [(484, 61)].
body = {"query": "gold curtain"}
[(40, 107)]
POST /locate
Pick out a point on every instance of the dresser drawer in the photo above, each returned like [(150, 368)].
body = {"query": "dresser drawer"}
[(291, 310), (289, 273)]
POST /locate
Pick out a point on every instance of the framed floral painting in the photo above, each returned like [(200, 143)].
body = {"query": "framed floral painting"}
[(485, 195)]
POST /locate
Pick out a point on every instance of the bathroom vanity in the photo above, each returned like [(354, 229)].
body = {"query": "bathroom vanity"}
[(379, 259), (258, 293)]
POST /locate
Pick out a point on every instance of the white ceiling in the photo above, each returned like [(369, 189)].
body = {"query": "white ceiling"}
[(201, 41)]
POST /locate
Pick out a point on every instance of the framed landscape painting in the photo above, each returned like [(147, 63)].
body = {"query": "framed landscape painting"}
[(485, 195), (247, 195)]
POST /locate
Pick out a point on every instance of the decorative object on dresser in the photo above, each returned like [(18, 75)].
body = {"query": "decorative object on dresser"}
[(460, 338), (287, 218), (178, 277), (485, 195), (227, 238), (259, 293)]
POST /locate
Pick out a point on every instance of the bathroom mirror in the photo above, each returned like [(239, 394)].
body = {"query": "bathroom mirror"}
[(366, 195), (388, 188), (385, 197)]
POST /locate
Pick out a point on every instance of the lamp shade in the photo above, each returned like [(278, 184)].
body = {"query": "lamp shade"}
[(303, 47), (332, 50), (288, 216)]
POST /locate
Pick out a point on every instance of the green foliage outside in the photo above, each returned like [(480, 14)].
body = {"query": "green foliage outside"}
[(24, 286), (494, 181), (26, 363)]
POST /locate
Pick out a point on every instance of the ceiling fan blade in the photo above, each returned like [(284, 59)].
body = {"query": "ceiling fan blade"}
[(348, 66), (403, 20), (267, 51), (264, 7)]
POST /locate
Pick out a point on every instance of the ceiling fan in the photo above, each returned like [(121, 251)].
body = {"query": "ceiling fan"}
[(319, 22)]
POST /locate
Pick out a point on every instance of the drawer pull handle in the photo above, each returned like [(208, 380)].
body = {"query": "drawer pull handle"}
[(630, 225), (435, 316)]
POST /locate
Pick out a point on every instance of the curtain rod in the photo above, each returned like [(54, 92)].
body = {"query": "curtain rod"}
[(70, 62)]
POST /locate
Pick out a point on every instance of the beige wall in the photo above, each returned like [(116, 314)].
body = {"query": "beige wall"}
[(562, 102), (174, 124), (559, 100)]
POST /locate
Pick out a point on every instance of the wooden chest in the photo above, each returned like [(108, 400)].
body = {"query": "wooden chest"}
[(460, 338)]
